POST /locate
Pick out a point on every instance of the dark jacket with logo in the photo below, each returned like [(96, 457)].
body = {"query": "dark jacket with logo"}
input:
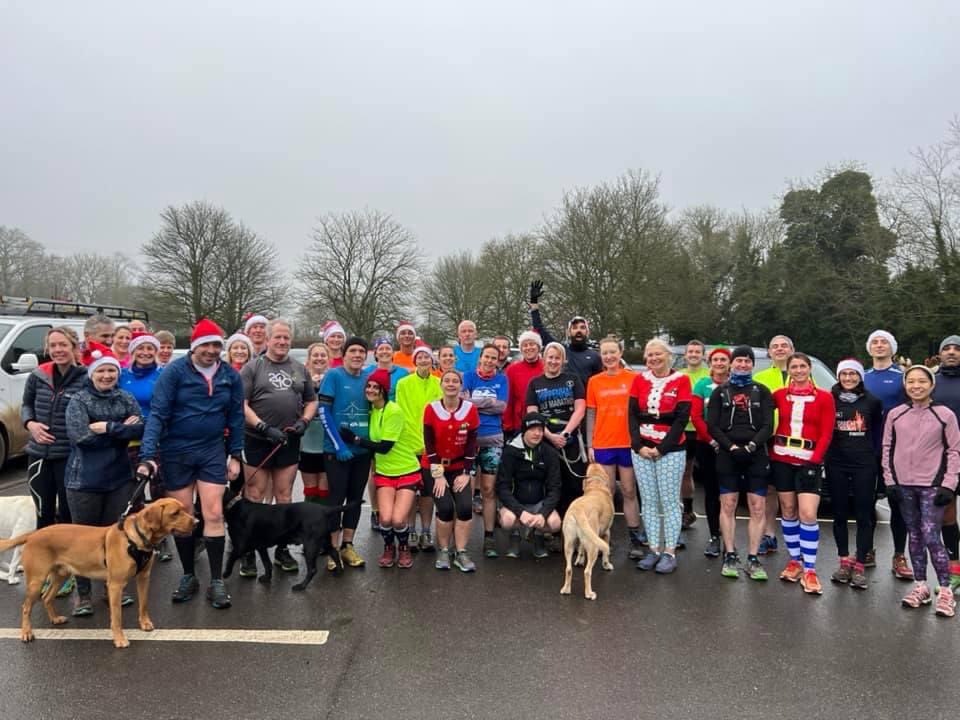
[(528, 476), (99, 461), (858, 422), (45, 403)]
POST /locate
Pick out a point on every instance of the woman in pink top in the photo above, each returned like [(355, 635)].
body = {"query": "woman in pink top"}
[(921, 459)]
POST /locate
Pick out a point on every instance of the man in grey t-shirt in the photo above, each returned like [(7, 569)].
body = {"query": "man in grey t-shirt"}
[(279, 403)]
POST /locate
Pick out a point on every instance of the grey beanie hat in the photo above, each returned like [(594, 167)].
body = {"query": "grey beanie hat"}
[(950, 340)]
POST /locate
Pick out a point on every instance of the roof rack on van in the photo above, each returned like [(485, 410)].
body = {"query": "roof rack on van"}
[(66, 308)]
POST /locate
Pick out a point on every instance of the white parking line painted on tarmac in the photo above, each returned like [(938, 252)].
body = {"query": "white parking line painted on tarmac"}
[(270, 637)]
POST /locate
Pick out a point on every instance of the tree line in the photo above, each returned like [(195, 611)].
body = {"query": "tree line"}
[(837, 257)]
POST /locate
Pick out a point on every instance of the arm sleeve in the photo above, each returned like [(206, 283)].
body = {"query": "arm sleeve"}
[(633, 422), (714, 411), (235, 420), (381, 447), (429, 437), (680, 417), (591, 421), (160, 404), (950, 478), (826, 420), (765, 431), (27, 413), (538, 325), (470, 450), (553, 482), (78, 425), (505, 485), (886, 455), (329, 424), (696, 416)]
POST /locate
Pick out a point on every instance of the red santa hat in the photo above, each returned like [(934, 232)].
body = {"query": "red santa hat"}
[(95, 355), (205, 331), (331, 327), (406, 325), (143, 338), (531, 335), (421, 347), (254, 320), (240, 337)]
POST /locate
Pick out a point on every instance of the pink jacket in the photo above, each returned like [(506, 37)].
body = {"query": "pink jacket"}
[(913, 446)]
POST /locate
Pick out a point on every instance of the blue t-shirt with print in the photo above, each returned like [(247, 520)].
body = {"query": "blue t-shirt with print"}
[(350, 406), (467, 361), (479, 388)]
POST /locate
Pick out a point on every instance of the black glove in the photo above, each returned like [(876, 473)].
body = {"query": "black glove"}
[(347, 434), (273, 434), (894, 493), (297, 429), (536, 291), (944, 497), (741, 454)]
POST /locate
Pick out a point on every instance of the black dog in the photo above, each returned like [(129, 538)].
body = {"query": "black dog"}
[(255, 526)]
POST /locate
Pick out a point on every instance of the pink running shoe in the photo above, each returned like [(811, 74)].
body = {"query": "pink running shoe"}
[(919, 595)]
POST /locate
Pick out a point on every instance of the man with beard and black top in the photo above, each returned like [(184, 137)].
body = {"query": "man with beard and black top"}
[(582, 360), (946, 391), (740, 421), (502, 344)]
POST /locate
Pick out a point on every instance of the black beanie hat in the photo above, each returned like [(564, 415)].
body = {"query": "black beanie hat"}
[(742, 351), (355, 341)]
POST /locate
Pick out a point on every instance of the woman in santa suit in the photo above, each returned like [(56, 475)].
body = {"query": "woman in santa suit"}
[(800, 443), (450, 438)]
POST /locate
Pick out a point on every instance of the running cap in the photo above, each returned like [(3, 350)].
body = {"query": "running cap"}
[(889, 338), (205, 331), (850, 364), (95, 355), (533, 419), (950, 340), (576, 319), (351, 341), (742, 351)]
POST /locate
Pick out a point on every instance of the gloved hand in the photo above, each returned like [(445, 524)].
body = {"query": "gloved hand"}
[(273, 434), (347, 434), (345, 454), (536, 291), (944, 497), (297, 429), (436, 471), (740, 454), (894, 493)]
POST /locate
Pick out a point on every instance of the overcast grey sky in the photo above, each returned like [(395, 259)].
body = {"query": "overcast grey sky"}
[(464, 121)]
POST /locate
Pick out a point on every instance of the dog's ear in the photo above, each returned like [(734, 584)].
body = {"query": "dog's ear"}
[(151, 517)]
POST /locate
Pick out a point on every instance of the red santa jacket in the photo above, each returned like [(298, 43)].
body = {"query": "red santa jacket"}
[(805, 425)]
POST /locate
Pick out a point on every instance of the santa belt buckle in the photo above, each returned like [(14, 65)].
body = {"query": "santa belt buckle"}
[(792, 441)]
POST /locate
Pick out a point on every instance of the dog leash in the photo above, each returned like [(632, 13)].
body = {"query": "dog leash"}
[(143, 479), (259, 467)]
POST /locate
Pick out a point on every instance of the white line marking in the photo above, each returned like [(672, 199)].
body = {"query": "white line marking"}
[(273, 637)]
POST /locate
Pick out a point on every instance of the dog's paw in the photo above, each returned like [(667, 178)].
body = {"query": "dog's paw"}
[(58, 619), (26, 635), (146, 625), (580, 561), (590, 595), (299, 587), (264, 579), (565, 590), (607, 565), (121, 642)]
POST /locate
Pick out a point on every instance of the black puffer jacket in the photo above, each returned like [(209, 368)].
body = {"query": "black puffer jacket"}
[(43, 403), (528, 476)]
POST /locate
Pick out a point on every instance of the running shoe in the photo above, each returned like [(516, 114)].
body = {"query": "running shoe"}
[(404, 557), (900, 569), (186, 589), (871, 559), (164, 554), (919, 595), (636, 550), (443, 559), (842, 574), (858, 578), (389, 556), (426, 542), (713, 547), (513, 549), (689, 518), (649, 562), (375, 521), (68, 585), (755, 570), (218, 596), (331, 564), (83, 607), (284, 560), (768, 545), (490, 547), (539, 546), (463, 562), (554, 542), (126, 600), (946, 604), (792, 572), (413, 541), (731, 566), (248, 565), (811, 583), (954, 576), (666, 564), (351, 557), (642, 537), (682, 540)]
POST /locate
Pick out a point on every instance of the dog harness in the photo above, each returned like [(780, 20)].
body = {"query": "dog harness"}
[(140, 555)]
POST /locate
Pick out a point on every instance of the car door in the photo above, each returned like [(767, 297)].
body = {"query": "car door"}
[(28, 339)]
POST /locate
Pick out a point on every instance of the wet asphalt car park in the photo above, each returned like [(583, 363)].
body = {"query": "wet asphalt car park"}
[(420, 644)]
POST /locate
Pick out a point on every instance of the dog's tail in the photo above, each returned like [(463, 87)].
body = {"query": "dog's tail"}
[(588, 530), (14, 541)]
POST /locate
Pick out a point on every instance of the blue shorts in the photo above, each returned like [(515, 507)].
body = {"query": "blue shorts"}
[(488, 459), (613, 456), (183, 469)]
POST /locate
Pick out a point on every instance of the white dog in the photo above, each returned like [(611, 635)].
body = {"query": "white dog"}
[(18, 515)]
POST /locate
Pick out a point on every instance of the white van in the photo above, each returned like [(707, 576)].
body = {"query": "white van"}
[(24, 323)]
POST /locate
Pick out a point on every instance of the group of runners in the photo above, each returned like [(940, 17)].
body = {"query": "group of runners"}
[(463, 430)]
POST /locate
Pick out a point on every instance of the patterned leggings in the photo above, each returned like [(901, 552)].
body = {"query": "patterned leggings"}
[(924, 520), (659, 483)]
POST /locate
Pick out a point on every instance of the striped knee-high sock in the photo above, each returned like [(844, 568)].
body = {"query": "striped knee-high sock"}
[(791, 536), (809, 540)]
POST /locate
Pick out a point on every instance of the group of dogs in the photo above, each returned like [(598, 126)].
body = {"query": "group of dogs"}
[(126, 549)]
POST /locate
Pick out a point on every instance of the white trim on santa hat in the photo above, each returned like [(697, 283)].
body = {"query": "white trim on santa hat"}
[(331, 327), (254, 320), (421, 348), (143, 340), (100, 359), (406, 325), (530, 335)]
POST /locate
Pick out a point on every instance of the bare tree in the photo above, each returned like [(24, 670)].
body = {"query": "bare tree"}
[(21, 263), (93, 278), (453, 291), (203, 264), (506, 268), (362, 268)]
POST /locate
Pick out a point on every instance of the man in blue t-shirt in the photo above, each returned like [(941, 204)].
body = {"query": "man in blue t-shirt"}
[(885, 382), (467, 352), (343, 403), (486, 387), (947, 392)]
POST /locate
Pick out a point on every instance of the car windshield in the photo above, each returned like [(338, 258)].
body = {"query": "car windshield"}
[(4, 329)]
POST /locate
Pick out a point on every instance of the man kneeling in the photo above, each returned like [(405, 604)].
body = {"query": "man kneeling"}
[(528, 486)]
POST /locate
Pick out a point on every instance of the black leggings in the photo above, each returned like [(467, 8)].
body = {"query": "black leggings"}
[(705, 473), (451, 501), (347, 481), (45, 480), (100, 509), (860, 481)]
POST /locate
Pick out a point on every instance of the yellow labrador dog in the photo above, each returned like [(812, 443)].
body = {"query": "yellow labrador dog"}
[(586, 529)]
